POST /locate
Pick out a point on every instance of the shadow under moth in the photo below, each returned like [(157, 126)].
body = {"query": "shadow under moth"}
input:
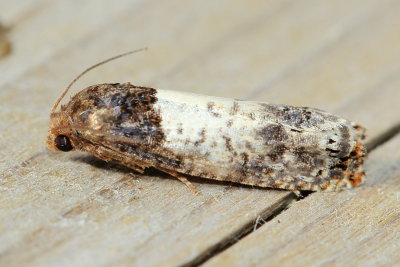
[(245, 142)]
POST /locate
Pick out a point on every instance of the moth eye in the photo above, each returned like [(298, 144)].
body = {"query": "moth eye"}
[(63, 143)]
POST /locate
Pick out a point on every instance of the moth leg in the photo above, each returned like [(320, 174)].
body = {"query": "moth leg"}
[(109, 155), (133, 166), (298, 194), (183, 179)]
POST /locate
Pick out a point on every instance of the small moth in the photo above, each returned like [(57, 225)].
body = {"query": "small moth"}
[(245, 142)]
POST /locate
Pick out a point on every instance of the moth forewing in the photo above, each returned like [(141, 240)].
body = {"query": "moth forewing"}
[(261, 144)]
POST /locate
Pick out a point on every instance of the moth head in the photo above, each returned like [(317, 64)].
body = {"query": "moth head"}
[(60, 136)]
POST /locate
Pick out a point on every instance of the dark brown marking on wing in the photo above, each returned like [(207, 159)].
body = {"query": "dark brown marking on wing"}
[(121, 109), (336, 174), (203, 137), (259, 168), (235, 108), (295, 116), (252, 116), (302, 155), (180, 128), (245, 158), (344, 145), (210, 108), (277, 152), (249, 146), (228, 143), (273, 133), (350, 167)]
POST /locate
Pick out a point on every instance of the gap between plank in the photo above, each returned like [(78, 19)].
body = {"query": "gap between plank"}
[(384, 137), (273, 211)]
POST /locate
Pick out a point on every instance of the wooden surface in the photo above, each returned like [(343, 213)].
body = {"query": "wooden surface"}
[(72, 209), (5, 46)]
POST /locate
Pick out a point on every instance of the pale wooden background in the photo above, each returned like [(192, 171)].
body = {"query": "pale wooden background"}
[(72, 209)]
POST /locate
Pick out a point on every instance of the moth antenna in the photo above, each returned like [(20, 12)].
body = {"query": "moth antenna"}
[(89, 69)]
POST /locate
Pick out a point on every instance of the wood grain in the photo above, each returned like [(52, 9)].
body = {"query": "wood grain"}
[(5, 45), (73, 209)]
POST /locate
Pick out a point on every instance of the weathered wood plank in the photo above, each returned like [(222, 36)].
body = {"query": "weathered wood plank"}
[(41, 29), (353, 228), (78, 210), (14, 11)]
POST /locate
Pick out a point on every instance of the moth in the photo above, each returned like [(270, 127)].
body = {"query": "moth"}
[(185, 134)]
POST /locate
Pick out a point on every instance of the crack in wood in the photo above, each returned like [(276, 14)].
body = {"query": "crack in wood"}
[(383, 138), (265, 216)]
